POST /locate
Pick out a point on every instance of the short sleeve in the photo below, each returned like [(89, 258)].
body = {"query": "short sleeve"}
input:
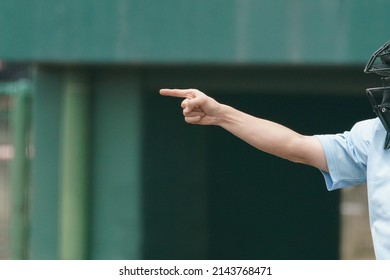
[(346, 155)]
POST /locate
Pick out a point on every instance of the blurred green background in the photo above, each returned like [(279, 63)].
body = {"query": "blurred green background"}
[(105, 168)]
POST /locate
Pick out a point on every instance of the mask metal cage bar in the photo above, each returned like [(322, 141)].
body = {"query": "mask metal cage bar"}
[(384, 69)]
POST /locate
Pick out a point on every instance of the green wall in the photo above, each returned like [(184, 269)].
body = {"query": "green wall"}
[(202, 31)]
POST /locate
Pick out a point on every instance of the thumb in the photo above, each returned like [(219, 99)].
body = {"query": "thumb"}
[(195, 102)]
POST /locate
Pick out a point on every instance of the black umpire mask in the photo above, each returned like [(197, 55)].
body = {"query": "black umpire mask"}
[(380, 97)]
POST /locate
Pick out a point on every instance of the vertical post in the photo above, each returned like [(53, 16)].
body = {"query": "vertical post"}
[(117, 211), (43, 205), (19, 171), (74, 177)]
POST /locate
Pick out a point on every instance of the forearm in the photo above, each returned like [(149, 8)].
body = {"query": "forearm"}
[(264, 135)]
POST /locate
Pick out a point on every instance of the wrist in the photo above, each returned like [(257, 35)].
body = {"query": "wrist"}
[(221, 116)]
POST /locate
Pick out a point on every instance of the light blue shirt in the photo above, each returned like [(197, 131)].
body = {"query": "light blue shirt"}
[(357, 157)]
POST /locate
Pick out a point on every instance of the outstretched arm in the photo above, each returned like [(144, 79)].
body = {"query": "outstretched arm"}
[(267, 136)]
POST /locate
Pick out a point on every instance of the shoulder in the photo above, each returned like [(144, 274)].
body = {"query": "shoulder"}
[(362, 133), (368, 126)]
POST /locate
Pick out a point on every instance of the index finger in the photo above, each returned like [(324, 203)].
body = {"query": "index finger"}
[(182, 93)]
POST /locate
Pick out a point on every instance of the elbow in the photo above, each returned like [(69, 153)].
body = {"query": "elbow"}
[(299, 150), (294, 158), (307, 150), (290, 150)]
